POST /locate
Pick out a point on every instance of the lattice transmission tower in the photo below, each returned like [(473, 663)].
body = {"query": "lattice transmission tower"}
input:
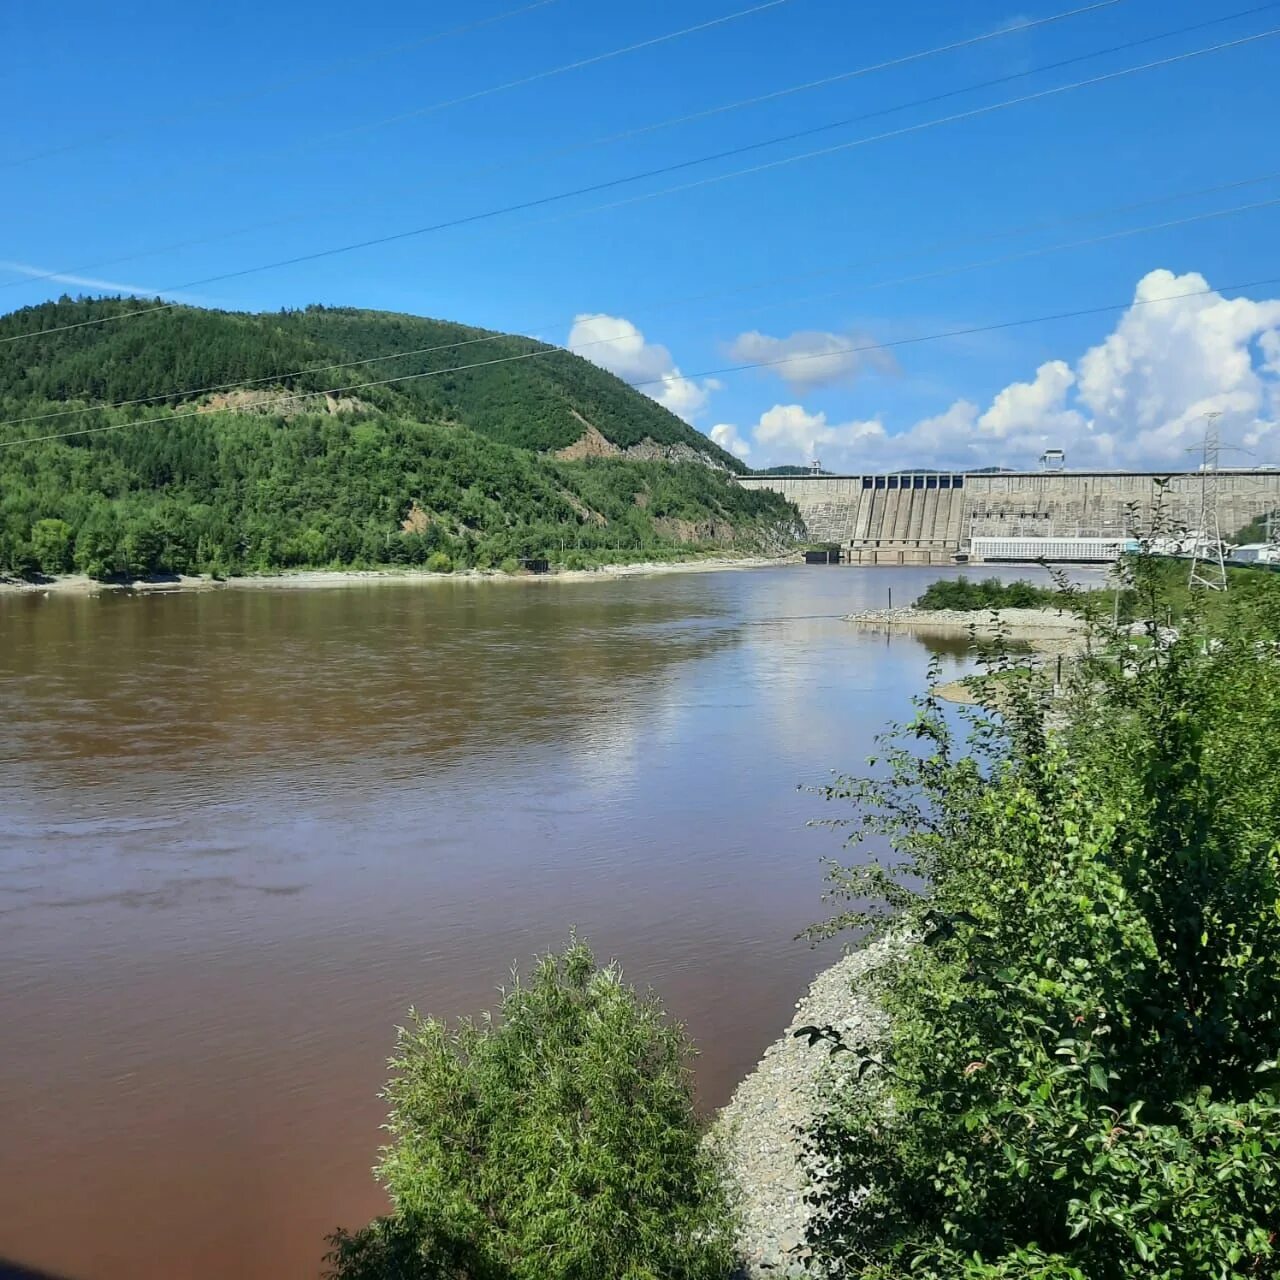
[(1208, 556)]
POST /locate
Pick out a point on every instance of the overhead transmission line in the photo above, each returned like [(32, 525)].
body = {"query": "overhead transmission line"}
[(278, 86), (722, 371), (902, 132), (673, 122), (955, 269), (577, 65), (505, 86), (541, 201)]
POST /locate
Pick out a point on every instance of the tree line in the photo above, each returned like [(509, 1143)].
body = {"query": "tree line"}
[(232, 493)]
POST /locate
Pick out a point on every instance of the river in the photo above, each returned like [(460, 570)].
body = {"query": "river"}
[(242, 831)]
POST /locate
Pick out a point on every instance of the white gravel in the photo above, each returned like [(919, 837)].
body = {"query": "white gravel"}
[(758, 1131), (1018, 621)]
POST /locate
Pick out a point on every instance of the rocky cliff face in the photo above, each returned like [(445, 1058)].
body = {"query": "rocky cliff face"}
[(591, 444)]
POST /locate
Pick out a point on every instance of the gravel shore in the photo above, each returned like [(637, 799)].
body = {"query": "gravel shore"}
[(77, 584), (758, 1130), (1045, 630), (1020, 623)]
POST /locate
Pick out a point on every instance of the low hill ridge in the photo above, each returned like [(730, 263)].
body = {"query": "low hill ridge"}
[(513, 389)]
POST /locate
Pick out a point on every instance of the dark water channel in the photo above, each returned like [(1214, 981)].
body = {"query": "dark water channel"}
[(240, 832)]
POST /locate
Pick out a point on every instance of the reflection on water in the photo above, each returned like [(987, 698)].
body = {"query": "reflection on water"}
[(244, 830)]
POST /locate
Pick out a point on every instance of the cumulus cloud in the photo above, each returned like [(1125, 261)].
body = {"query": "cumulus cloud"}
[(1039, 406), (1136, 399), (791, 428), (614, 343), (725, 434), (812, 357), (1173, 359)]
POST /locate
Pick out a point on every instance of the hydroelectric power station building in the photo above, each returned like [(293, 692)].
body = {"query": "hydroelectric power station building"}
[(935, 518)]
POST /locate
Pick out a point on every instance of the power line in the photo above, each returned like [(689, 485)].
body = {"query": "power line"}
[(279, 86), (685, 164), (722, 371), (577, 65), (1091, 215), (1021, 255), (507, 85), (910, 129), (673, 122)]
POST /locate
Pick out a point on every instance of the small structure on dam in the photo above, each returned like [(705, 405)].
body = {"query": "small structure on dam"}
[(928, 517)]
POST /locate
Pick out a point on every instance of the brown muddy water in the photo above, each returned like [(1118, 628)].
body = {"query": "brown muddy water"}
[(242, 831)]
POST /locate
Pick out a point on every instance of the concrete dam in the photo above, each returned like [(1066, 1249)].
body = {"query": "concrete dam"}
[(933, 518)]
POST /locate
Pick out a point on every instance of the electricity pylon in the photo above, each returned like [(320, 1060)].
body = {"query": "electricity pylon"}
[(1208, 558)]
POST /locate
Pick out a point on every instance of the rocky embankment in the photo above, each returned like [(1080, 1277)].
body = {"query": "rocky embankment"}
[(1048, 630), (1018, 622), (759, 1130)]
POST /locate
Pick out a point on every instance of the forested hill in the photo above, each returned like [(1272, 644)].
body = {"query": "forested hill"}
[(518, 391), (231, 460)]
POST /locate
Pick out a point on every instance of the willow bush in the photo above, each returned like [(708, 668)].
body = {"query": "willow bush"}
[(556, 1141), (1080, 1080)]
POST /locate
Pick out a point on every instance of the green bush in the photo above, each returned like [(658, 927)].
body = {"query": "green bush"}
[(438, 562), (51, 544), (510, 565), (555, 1142), (1080, 1077), (966, 595)]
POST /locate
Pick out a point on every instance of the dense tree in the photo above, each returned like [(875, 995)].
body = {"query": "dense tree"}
[(1081, 1077), (555, 1142), (51, 544), (396, 477), (518, 391)]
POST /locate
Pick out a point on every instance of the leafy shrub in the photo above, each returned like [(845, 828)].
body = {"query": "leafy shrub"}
[(438, 562), (556, 1142), (966, 595), (51, 544), (1080, 1077)]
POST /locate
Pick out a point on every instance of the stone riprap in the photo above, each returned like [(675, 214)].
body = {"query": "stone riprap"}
[(759, 1130)]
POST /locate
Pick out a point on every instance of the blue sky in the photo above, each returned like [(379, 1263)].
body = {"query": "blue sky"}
[(136, 127)]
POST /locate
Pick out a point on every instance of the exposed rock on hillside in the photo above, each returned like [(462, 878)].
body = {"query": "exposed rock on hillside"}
[(591, 444)]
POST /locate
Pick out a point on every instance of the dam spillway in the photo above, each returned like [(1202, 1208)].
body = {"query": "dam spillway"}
[(932, 517)]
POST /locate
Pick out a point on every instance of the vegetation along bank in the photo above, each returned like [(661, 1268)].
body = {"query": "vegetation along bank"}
[(1052, 1055)]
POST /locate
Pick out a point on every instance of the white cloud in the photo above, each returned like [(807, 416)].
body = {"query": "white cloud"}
[(1037, 407), (1173, 359), (1136, 399), (1269, 344), (89, 282), (725, 434), (614, 343), (1019, 22), (812, 357), (790, 428)]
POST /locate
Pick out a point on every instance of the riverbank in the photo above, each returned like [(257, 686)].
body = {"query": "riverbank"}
[(78, 584), (759, 1130), (1046, 630)]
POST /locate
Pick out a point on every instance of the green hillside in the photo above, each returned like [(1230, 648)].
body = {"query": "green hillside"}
[(445, 471), (536, 397)]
